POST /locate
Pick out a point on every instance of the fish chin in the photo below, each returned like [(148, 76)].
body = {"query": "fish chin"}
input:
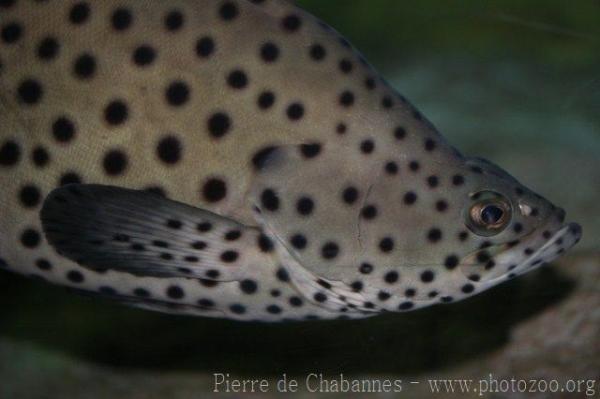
[(538, 249)]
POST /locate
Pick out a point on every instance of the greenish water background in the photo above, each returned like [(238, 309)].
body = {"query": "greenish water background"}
[(514, 81)]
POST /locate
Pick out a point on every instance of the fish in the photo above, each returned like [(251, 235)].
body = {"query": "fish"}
[(240, 159)]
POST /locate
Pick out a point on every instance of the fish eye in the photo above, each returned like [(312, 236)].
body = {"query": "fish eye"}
[(489, 214)]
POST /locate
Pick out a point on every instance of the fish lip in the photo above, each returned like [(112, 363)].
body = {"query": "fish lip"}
[(573, 228)]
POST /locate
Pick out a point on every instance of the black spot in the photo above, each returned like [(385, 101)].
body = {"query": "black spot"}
[(30, 91), (369, 212), (205, 46), (39, 156), (391, 277), (48, 49), (386, 102), (75, 276), (345, 66), (406, 305), (175, 292), (10, 153), (370, 83), (208, 283), (219, 124), (266, 99), (265, 243), (483, 257), (367, 146), (141, 292), (365, 268), (229, 256), (330, 250), (317, 52), (204, 227), (356, 286), (237, 79), (121, 19), (410, 198), (206, 303), (346, 98), (305, 206), (320, 297), (291, 23), (295, 111), (458, 180), (298, 241), (463, 235), (115, 162), (260, 157), (174, 224), (441, 206), (144, 55), (429, 144), (169, 150), (214, 190), (106, 290), (79, 13), (282, 275), (116, 112), (270, 200), (69, 178), (30, 196), (427, 276), (434, 235), (174, 20), (410, 292), (295, 301), (468, 288), (451, 262), (400, 133), (324, 284), (383, 296), (43, 264), (341, 128), (518, 227), (30, 238), (350, 195), (386, 245), (228, 11), (248, 286), (177, 94), (391, 168), (269, 52), (273, 309), (310, 150), (11, 32), (233, 235), (63, 130), (414, 166), (432, 181), (237, 308)]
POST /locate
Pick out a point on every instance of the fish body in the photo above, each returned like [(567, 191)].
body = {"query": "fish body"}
[(240, 159)]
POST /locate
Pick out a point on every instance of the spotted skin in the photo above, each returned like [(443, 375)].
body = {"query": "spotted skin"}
[(259, 118)]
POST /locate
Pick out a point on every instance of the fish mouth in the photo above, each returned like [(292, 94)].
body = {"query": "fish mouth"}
[(538, 248)]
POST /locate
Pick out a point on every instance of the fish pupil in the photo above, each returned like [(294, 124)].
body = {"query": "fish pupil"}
[(491, 214)]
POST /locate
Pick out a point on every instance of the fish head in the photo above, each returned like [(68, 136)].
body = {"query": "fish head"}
[(441, 228), (516, 229)]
